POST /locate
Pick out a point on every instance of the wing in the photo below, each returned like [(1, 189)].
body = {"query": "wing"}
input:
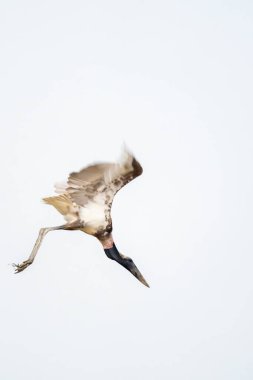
[(107, 178), (64, 205)]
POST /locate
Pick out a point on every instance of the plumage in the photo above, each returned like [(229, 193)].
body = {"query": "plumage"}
[(64, 205), (85, 202)]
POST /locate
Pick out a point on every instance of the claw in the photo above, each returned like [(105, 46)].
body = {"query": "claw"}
[(20, 267)]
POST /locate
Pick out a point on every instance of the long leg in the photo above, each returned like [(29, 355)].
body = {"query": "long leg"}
[(42, 234)]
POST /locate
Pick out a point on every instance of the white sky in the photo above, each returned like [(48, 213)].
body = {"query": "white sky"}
[(173, 79)]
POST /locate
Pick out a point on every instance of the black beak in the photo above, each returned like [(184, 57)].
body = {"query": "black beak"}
[(126, 262)]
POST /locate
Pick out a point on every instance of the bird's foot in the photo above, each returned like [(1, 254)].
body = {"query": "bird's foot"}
[(22, 266)]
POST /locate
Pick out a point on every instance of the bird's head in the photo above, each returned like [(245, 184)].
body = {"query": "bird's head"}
[(126, 262)]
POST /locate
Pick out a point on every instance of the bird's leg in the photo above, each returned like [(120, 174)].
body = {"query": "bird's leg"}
[(42, 234), (29, 261)]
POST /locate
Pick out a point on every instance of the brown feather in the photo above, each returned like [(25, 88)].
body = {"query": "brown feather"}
[(109, 178)]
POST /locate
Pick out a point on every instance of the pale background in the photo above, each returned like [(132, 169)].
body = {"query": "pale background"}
[(173, 80)]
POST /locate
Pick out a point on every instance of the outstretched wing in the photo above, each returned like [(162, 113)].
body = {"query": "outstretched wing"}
[(107, 178)]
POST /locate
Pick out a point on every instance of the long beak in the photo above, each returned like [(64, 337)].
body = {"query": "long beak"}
[(131, 267), (126, 262)]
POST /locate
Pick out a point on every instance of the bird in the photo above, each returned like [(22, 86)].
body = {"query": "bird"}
[(85, 201)]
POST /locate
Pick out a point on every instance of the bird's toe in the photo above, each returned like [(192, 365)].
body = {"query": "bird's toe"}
[(22, 266)]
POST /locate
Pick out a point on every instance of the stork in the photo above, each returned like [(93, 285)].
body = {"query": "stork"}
[(85, 202)]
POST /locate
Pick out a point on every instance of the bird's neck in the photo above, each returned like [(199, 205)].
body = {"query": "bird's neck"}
[(106, 241)]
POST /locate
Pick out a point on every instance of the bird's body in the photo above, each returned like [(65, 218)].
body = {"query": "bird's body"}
[(85, 202)]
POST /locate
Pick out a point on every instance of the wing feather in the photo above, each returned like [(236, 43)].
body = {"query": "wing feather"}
[(63, 203), (84, 185)]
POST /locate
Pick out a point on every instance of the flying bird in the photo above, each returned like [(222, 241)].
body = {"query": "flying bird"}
[(85, 202)]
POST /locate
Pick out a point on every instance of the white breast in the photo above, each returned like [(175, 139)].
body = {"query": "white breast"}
[(93, 213)]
